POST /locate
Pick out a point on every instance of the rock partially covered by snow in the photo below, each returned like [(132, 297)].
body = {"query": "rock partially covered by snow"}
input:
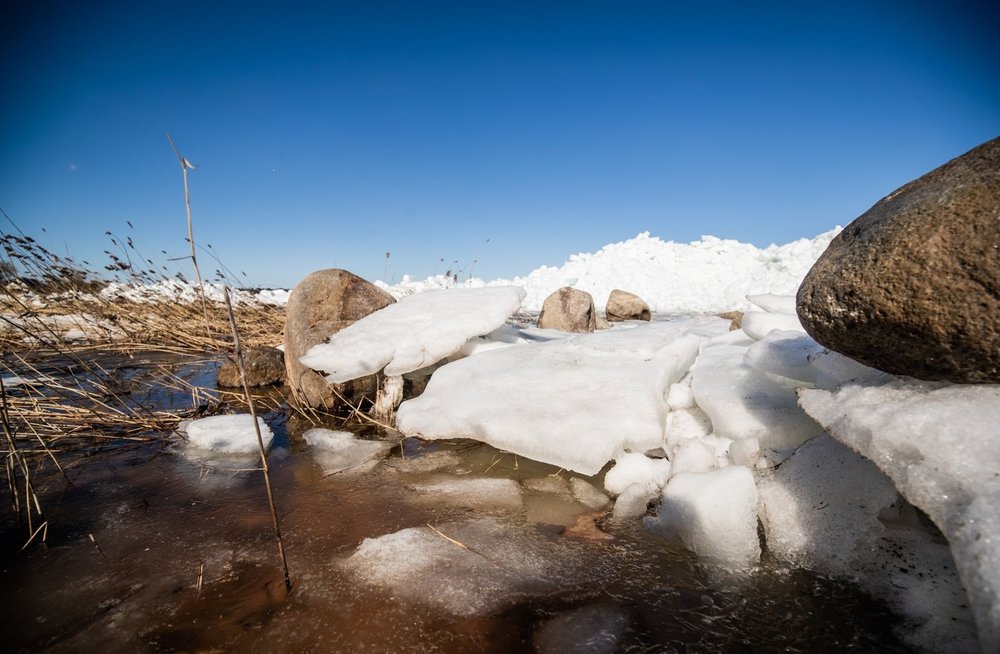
[(323, 303), (233, 434), (912, 286), (938, 444), (576, 403), (714, 514), (416, 332), (342, 451)]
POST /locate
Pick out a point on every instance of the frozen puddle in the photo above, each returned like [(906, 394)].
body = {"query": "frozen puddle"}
[(467, 568)]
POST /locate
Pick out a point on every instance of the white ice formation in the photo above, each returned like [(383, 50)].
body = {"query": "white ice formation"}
[(232, 434)]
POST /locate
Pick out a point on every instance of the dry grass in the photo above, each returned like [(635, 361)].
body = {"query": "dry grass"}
[(70, 349)]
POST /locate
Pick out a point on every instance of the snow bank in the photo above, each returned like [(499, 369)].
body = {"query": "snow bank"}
[(413, 333), (187, 291), (704, 276)]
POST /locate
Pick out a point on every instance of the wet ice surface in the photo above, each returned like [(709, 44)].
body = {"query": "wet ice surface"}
[(377, 565)]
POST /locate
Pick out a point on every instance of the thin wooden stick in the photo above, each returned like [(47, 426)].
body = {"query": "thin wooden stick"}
[(260, 440), (185, 166)]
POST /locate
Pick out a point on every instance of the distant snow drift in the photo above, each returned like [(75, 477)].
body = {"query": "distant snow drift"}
[(705, 276)]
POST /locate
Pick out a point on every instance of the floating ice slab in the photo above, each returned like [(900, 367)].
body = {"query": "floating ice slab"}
[(473, 493), (576, 403), (938, 443), (714, 514), (595, 629), (495, 565), (341, 451), (233, 434), (413, 333)]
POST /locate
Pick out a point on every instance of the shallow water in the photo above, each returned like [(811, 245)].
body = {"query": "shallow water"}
[(149, 550)]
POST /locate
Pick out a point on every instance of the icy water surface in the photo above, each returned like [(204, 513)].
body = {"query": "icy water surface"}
[(468, 550)]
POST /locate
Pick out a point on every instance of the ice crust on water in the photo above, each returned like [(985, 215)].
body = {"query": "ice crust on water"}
[(413, 333), (232, 434), (342, 451), (498, 566), (938, 444), (576, 403), (476, 492), (594, 629)]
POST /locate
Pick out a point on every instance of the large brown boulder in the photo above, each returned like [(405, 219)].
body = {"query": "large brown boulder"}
[(568, 310), (322, 304), (912, 286), (623, 305), (264, 366)]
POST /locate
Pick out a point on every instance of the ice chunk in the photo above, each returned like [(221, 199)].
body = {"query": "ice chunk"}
[(474, 493), (789, 354), (587, 494), (758, 324), (714, 514), (232, 434), (687, 423), (413, 333), (635, 468), (744, 402), (634, 500), (693, 455), (774, 303), (495, 565), (744, 452), (340, 451), (576, 403), (938, 443), (680, 395)]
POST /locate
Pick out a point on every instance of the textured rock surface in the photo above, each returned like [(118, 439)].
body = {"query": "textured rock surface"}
[(568, 310), (623, 305), (264, 365), (323, 303), (912, 286)]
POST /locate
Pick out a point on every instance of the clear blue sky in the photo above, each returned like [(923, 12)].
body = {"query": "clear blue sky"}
[(511, 133)]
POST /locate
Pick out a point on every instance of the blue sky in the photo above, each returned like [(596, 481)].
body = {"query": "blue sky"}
[(510, 134)]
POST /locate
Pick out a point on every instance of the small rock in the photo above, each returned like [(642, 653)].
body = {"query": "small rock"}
[(623, 305), (735, 318), (912, 286), (568, 310), (264, 366)]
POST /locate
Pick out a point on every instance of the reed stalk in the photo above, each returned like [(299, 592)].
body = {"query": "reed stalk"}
[(185, 166), (241, 366)]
